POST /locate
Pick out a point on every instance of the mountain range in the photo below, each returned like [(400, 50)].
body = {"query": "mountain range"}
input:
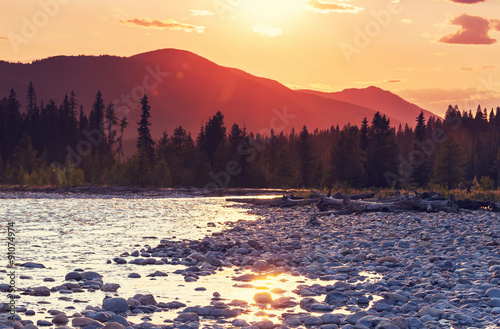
[(186, 89)]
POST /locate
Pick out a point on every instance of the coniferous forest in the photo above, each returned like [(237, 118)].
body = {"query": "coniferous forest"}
[(58, 144)]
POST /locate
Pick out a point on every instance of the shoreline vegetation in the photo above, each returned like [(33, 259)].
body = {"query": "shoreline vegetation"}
[(462, 194), (50, 144)]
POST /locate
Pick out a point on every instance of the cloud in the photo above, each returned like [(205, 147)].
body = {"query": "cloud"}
[(329, 6), (380, 81), (195, 12), (467, 2), (267, 30), (477, 68), (166, 24), (474, 31), (3, 38)]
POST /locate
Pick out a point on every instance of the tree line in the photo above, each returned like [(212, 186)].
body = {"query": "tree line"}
[(58, 144)]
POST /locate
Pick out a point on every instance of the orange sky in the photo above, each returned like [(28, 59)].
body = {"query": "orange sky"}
[(430, 52)]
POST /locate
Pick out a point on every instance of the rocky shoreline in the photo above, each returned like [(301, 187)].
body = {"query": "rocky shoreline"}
[(431, 271)]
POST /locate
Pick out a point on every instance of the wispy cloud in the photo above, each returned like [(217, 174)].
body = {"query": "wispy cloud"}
[(267, 30), (329, 6), (467, 2), (380, 81), (195, 12), (474, 31), (477, 68), (3, 38), (165, 24)]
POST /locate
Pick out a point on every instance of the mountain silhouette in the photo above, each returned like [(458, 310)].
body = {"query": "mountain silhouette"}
[(186, 89)]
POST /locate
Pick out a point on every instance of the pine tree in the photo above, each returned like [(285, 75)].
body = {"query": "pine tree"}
[(213, 137), (123, 126), (421, 166), (306, 159), (382, 152), (145, 144), (111, 121), (449, 167), (364, 135), (96, 117), (347, 159)]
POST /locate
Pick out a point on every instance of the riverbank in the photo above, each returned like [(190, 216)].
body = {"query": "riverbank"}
[(136, 192), (373, 270)]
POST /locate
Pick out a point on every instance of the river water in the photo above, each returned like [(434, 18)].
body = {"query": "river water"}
[(83, 232)]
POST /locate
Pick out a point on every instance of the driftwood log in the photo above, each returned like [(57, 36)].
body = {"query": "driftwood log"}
[(366, 202)]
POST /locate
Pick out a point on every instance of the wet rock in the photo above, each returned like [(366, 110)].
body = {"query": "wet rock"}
[(283, 302), (98, 316), (44, 323), (119, 260), (60, 319), (73, 276), (354, 318), (321, 308), (40, 291), (91, 276), (264, 324), (33, 265), (432, 311), (493, 293), (239, 323), (263, 298), (134, 276), (119, 319), (117, 305), (81, 322), (187, 317), (387, 259), (330, 319), (114, 325), (307, 303), (313, 321), (110, 287), (145, 299), (336, 298), (157, 273), (494, 302), (260, 265)]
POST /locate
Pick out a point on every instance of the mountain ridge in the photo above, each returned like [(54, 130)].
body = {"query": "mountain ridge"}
[(194, 89)]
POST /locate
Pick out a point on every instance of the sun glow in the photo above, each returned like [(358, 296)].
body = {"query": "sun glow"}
[(272, 11)]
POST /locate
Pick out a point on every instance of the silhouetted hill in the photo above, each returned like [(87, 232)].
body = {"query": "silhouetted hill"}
[(380, 100), (194, 90)]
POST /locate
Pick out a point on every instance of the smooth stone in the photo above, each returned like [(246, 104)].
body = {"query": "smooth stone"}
[(493, 293), (110, 287), (81, 322), (119, 260), (263, 298), (264, 324), (33, 265), (114, 325), (44, 323), (145, 299), (494, 302), (187, 317), (134, 275), (73, 276), (117, 305), (60, 318), (119, 319), (330, 319)]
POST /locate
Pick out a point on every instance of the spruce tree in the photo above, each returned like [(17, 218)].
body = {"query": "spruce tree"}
[(382, 152), (421, 166), (145, 144), (450, 162)]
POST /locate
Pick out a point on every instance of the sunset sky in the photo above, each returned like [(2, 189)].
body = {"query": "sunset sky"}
[(430, 52)]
